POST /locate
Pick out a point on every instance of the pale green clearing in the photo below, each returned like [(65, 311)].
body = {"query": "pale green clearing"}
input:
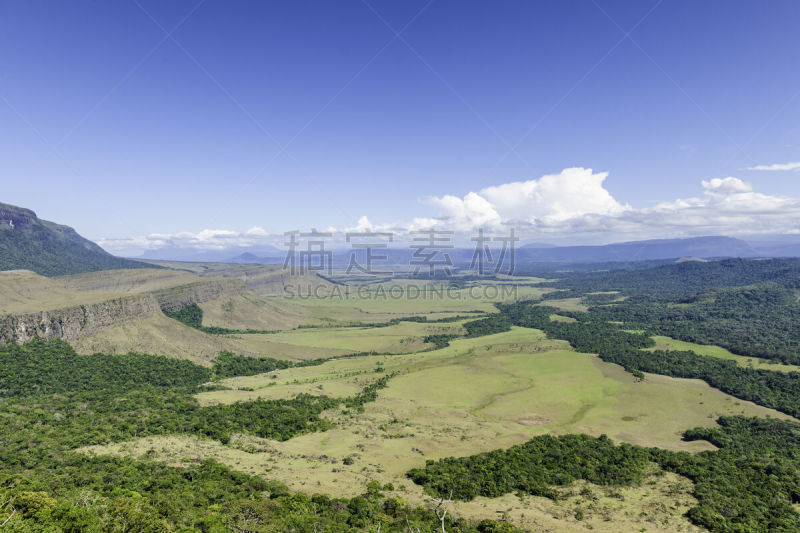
[(561, 318), (668, 343), (398, 300), (315, 343), (362, 339), (566, 304)]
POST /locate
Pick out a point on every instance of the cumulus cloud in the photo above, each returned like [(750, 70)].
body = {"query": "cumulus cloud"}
[(777, 166), (555, 197), (550, 199), (575, 202)]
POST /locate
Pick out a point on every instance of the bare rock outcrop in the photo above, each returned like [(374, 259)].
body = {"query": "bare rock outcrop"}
[(71, 323)]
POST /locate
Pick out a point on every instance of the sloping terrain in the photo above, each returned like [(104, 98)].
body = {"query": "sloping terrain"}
[(117, 311), (267, 280), (23, 291), (128, 281), (157, 334), (47, 248)]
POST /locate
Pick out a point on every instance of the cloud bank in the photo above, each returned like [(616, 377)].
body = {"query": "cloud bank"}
[(572, 204), (777, 166), (576, 203)]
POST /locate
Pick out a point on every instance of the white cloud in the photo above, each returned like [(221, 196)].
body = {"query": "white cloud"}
[(556, 197), (777, 166), (573, 203), (725, 186), (468, 212), (204, 240), (571, 193)]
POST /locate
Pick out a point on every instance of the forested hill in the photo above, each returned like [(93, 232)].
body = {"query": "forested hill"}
[(50, 249), (684, 278)]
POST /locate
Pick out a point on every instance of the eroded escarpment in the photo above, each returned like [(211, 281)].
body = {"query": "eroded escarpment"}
[(77, 321), (71, 323)]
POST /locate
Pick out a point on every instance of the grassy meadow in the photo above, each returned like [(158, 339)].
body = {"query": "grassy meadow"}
[(474, 395)]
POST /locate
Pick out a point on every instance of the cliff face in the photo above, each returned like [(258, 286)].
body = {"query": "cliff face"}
[(77, 321), (174, 298), (71, 323), (284, 282)]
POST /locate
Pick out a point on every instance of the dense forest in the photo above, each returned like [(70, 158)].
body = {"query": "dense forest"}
[(759, 321), (748, 485), (680, 279), (750, 307)]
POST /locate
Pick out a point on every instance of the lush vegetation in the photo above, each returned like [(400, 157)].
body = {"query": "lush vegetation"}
[(747, 485), (487, 326), (534, 468), (760, 321), (591, 334), (52, 405), (475, 328), (680, 279), (749, 307), (40, 367), (228, 364)]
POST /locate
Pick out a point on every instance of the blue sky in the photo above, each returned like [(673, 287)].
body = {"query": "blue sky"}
[(131, 118)]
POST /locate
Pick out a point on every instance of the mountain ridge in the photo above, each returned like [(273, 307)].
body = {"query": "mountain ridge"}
[(50, 249)]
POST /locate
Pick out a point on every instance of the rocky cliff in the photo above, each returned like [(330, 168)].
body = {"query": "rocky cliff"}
[(174, 298), (71, 323), (78, 321)]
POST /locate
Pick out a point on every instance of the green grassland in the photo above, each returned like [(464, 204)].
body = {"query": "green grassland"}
[(567, 304), (668, 343), (403, 337), (248, 310), (404, 298), (319, 343), (475, 395)]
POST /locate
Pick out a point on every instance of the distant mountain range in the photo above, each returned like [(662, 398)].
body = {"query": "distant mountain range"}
[(537, 253), (701, 247), (528, 254), (50, 249), (236, 254)]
